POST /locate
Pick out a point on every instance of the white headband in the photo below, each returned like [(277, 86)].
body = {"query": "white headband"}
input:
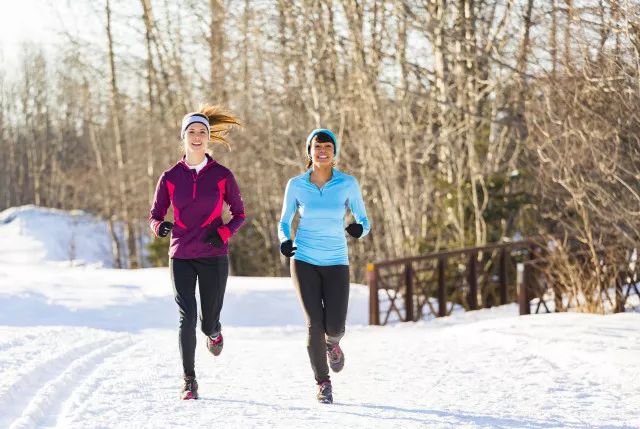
[(192, 118)]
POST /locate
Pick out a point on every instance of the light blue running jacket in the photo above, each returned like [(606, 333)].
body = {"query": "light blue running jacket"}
[(320, 236)]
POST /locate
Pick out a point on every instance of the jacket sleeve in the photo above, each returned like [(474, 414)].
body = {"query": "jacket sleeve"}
[(356, 205), (233, 198), (289, 207), (160, 205)]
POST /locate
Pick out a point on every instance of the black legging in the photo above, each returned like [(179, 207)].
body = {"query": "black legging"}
[(211, 274), (324, 293)]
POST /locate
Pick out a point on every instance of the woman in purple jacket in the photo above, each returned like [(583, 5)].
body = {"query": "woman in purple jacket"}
[(196, 187)]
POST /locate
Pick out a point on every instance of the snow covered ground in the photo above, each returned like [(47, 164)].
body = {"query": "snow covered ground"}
[(30, 234), (92, 347)]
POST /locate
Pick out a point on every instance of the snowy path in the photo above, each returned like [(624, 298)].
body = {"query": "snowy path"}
[(495, 373), (90, 347)]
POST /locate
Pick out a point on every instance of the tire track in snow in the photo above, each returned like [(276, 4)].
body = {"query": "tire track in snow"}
[(111, 368), (6, 344), (12, 400), (61, 376)]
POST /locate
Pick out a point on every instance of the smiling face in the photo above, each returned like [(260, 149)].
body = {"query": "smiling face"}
[(195, 139), (322, 153)]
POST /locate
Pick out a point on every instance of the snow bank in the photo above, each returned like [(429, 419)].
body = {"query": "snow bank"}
[(32, 235)]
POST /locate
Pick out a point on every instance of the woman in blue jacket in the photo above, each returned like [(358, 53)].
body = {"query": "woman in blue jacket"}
[(318, 252)]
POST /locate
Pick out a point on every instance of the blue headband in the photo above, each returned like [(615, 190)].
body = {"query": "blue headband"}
[(192, 118), (336, 144)]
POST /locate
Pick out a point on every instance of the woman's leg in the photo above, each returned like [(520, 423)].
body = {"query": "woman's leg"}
[(183, 276), (335, 290), (308, 284), (212, 281)]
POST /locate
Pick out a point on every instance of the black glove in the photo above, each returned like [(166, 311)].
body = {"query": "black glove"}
[(354, 230), (213, 238), (287, 249), (165, 228)]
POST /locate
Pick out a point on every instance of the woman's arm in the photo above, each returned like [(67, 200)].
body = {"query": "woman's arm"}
[(356, 205), (289, 207), (233, 198), (160, 205)]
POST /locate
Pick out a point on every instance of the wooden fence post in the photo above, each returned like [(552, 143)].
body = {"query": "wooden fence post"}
[(503, 276), (442, 295), (620, 281), (374, 305), (472, 280), (408, 293)]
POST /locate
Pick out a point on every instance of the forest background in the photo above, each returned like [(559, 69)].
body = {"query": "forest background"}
[(466, 122)]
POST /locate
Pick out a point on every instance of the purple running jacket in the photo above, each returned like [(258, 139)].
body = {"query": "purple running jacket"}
[(197, 200)]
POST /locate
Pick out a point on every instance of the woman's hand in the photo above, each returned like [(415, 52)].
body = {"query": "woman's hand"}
[(354, 230), (165, 228), (287, 248), (213, 238)]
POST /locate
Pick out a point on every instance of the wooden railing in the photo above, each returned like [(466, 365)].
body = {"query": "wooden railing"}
[(432, 285), (470, 278)]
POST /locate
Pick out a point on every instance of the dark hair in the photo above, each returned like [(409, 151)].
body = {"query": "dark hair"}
[(321, 137)]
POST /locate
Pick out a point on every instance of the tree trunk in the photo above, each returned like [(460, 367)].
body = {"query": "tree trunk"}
[(216, 48), (119, 147)]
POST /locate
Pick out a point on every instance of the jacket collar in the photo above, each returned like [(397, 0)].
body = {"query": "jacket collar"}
[(210, 162), (334, 173)]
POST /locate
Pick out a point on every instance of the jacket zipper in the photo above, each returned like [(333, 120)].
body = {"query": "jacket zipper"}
[(195, 181)]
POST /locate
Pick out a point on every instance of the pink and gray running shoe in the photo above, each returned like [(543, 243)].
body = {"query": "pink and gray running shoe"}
[(335, 357), (215, 343), (325, 396), (189, 388)]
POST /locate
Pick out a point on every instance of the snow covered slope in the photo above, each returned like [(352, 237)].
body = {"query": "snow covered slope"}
[(31, 235)]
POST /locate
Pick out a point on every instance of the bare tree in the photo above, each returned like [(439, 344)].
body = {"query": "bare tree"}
[(465, 121), (119, 147)]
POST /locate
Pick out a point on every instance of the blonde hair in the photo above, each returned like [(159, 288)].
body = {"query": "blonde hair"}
[(220, 122)]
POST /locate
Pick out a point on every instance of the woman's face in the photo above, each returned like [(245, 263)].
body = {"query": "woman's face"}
[(195, 138), (322, 153)]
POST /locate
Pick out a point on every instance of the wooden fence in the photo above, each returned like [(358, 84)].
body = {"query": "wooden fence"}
[(471, 278), (432, 285)]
